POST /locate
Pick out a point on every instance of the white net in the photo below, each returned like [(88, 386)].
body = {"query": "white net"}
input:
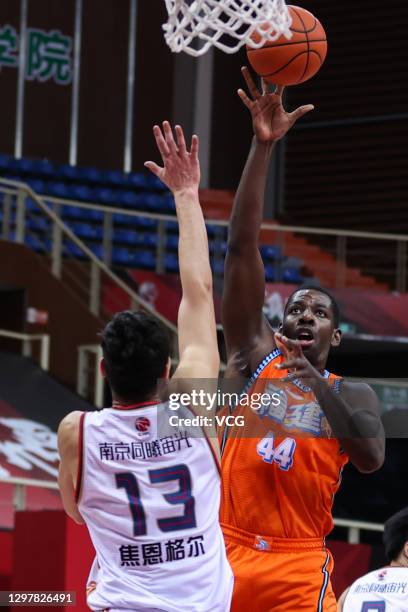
[(194, 26)]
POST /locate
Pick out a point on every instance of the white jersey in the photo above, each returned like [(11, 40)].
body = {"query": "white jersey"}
[(150, 496), (385, 590)]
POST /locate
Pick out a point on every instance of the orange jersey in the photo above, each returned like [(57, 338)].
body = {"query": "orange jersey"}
[(280, 472)]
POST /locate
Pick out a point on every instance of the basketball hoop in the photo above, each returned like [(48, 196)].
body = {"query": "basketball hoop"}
[(194, 26)]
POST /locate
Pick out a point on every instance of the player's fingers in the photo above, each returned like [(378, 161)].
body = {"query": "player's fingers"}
[(168, 134), (283, 339), (279, 90), (161, 143), (181, 142), (253, 90), (291, 376), (265, 87), (281, 346), (288, 342), (248, 103), (289, 364), (194, 147), (153, 168), (299, 112)]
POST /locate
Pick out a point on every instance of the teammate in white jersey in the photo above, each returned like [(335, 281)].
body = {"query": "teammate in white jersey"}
[(386, 589), (148, 488)]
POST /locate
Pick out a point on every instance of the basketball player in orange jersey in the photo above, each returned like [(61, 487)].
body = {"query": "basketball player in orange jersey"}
[(280, 473), (147, 487)]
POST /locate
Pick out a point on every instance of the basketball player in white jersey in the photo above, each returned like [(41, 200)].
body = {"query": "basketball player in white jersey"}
[(386, 589), (148, 489)]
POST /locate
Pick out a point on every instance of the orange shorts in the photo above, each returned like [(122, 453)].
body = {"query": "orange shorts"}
[(279, 574)]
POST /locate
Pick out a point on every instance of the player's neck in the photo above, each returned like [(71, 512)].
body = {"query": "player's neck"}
[(402, 561), (118, 402)]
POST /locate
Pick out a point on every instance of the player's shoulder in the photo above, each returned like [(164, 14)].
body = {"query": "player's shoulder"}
[(358, 390), (69, 426)]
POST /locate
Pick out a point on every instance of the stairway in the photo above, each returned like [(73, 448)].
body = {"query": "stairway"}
[(319, 262)]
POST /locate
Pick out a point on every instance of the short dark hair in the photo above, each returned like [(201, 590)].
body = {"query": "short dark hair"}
[(310, 286), (395, 534), (136, 348)]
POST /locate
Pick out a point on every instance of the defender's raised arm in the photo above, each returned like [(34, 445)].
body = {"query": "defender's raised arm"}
[(199, 357)]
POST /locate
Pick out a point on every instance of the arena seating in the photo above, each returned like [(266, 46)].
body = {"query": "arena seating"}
[(134, 238)]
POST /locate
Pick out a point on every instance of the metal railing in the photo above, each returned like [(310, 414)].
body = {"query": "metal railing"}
[(354, 528), (90, 354), (27, 340), (380, 255), (63, 248), (20, 485)]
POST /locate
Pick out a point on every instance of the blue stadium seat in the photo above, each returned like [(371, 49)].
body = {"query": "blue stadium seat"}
[(72, 249), (217, 267), (81, 192), (127, 236), (168, 205), (91, 214), (130, 199), (122, 256), (43, 167), (171, 263), (153, 182), (146, 223), (172, 226), (121, 218), (36, 185), (210, 231), (271, 252), (152, 202), (172, 242), (33, 242), (105, 196), (127, 220), (31, 205), (292, 275), (59, 190), (89, 175), (144, 259), (87, 232), (22, 166), (137, 181), (270, 273), (5, 161), (97, 250), (218, 247), (150, 240), (38, 223), (66, 172), (70, 212), (115, 178)]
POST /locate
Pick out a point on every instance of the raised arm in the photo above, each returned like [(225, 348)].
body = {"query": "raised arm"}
[(198, 349), (247, 334)]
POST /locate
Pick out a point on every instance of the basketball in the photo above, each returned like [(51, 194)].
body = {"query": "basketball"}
[(294, 61)]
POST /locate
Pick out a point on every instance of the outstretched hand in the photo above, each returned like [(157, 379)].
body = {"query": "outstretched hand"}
[(269, 119), (295, 361), (181, 168)]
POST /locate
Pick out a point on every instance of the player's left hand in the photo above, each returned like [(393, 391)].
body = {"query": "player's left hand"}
[(295, 362)]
